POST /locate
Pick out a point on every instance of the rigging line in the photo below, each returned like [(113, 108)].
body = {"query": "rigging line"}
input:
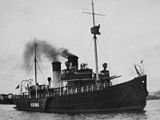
[(30, 59), (29, 70), (103, 55), (38, 59), (99, 46), (28, 65), (89, 50), (40, 69)]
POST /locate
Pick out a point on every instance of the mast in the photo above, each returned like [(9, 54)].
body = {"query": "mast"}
[(95, 31), (35, 64), (93, 14)]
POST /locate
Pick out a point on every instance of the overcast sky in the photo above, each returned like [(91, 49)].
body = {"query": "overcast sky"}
[(130, 32)]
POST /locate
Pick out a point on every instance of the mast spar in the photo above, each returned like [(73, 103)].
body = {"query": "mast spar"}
[(95, 31), (35, 64), (35, 60)]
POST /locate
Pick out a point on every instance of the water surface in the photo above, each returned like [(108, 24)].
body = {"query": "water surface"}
[(151, 112)]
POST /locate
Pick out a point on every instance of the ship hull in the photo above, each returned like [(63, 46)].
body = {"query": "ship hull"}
[(130, 95)]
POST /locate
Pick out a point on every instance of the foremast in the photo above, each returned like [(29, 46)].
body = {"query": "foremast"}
[(95, 31)]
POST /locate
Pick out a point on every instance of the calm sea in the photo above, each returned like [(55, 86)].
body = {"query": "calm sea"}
[(152, 112)]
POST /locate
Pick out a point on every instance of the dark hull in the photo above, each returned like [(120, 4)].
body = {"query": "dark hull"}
[(125, 96)]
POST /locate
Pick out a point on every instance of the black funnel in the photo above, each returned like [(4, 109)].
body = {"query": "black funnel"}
[(74, 60), (56, 66)]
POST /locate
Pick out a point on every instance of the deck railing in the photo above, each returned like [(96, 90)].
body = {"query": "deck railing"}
[(65, 91)]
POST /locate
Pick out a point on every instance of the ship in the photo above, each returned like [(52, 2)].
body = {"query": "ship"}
[(6, 98), (78, 88)]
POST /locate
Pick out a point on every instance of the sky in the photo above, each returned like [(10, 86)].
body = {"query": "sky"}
[(129, 33)]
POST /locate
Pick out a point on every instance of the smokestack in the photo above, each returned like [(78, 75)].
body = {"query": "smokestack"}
[(56, 66), (74, 60)]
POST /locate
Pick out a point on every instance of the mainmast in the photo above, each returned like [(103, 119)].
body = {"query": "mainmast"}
[(95, 31), (35, 64)]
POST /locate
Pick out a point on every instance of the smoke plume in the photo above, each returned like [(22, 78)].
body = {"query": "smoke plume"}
[(45, 49)]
